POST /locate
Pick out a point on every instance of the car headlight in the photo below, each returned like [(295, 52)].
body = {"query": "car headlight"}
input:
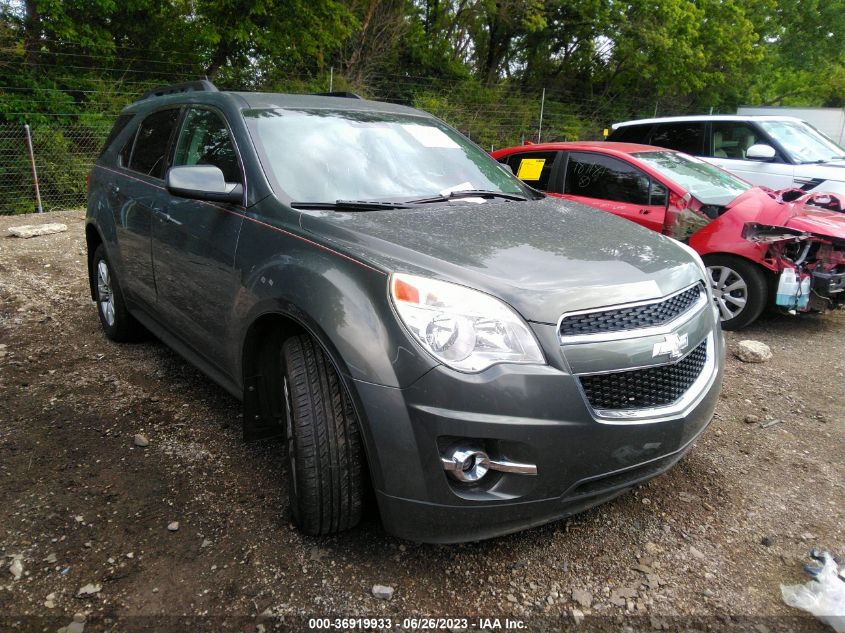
[(462, 328)]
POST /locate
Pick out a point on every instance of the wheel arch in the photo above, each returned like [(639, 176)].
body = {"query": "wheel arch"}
[(263, 409), (93, 239)]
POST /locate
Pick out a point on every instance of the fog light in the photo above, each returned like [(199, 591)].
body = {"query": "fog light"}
[(466, 464)]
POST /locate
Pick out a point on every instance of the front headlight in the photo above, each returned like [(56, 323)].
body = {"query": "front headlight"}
[(462, 328)]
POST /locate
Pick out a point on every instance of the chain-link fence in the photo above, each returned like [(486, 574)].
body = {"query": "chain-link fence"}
[(63, 155)]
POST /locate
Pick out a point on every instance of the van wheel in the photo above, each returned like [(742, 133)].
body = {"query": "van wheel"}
[(739, 290), (325, 458), (117, 323)]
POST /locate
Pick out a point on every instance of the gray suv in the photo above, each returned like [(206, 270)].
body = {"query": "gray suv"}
[(402, 310)]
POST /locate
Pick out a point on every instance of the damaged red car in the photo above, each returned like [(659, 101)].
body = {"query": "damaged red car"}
[(760, 250)]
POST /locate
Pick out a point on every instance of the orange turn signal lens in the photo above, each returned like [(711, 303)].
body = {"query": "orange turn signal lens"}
[(403, 291)]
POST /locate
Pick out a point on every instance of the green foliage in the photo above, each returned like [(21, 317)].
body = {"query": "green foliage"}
[(479, 64)]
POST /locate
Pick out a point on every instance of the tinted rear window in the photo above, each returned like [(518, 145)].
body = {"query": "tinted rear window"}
[(149, 154), (122, 122), (630, 134), (687, 137), (534, 168)]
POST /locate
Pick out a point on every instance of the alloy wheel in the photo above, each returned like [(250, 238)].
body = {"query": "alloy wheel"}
[(105, 294), (730, 291)]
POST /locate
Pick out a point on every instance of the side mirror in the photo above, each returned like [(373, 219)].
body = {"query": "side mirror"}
[(202, 182), (760, 151)]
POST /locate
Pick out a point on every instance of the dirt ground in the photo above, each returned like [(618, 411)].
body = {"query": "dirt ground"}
[(705, 546)]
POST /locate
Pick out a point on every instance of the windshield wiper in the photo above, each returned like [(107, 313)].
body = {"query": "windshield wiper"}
[(470, 193), (352, 205)]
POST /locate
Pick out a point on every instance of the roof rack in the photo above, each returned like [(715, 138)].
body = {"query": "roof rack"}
[(203, 85), (342, 94)]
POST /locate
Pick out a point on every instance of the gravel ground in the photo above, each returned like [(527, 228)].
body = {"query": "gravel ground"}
[(705, 546)]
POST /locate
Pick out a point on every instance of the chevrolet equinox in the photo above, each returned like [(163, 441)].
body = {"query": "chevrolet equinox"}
[(401, 309)]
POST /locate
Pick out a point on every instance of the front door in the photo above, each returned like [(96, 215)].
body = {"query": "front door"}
[(194, 242), (730, 142)]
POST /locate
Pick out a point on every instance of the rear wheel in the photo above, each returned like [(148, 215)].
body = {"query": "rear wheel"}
[(117, 323), (325, 458), (739, 290)]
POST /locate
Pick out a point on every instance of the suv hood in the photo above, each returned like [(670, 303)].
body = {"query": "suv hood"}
[(544, 257)]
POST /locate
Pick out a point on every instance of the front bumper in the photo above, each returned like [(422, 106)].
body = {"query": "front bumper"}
[(529, 414), (828, 290)]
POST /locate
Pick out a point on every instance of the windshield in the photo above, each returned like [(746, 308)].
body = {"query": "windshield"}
[(803, 142), (317, 155), (709, 184)]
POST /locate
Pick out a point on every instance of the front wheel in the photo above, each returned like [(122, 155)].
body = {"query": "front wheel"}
[(739, 290), (325, 458)]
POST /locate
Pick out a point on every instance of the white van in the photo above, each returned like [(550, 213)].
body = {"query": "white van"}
[(774, 151)]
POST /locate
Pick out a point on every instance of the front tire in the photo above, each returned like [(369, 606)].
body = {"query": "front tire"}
[(325, 458), (739, 290), (117, 323)]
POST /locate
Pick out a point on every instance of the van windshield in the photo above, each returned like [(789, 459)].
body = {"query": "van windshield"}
[(804, 143), (322, 155), (709, 184)]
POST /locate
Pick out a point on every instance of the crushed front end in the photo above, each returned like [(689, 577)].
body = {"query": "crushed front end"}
[(810, 266)]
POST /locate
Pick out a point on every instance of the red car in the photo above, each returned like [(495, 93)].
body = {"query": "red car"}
[(759, 249)]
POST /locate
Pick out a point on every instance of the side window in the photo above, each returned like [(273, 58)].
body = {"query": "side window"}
[(659, 195), (149, 155), (629, 134), (205, 140), (731, 139), (122, 121), (535, 168), (685, 137), (126, 152), (606, 178)]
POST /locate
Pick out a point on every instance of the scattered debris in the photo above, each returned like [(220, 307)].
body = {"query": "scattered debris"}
[(51, 558), (35, 230), (141, 440), (582, 597), (16, 568), (824, 595), (173, 526), (50, 601), (770, 423), (89, 590), (578, 616), (752, 419), (382, 592), (77, 626), (749, 351), (318, 553)]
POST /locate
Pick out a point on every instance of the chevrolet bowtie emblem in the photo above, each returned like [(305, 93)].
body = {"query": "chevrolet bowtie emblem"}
[(673, 345)]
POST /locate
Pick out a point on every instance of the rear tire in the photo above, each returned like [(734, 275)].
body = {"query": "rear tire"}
[(117, 323), (739, 289), (325, 458)]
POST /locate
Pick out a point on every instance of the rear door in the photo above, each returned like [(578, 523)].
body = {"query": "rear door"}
[(614, 185), (194, 242), (535, 168), (136, 190), (730, 140)]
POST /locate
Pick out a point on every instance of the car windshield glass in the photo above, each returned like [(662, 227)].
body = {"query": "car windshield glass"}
[(318, 155), (803, 142), (709, 184)]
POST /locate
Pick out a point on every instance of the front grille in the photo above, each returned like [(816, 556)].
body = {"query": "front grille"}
[(632, 318), (650, 387)]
